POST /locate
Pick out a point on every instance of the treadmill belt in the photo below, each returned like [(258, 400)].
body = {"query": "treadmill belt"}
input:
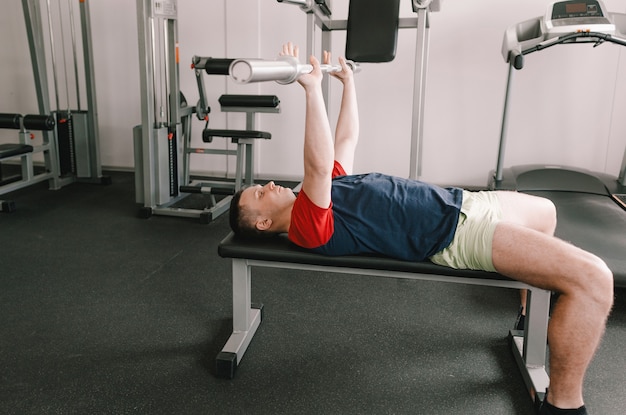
[(594, 223)]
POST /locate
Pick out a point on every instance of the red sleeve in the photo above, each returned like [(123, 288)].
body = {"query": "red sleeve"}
[(312, 226), (338, 170)]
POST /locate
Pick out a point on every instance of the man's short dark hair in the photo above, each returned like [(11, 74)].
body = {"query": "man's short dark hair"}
[(242, 219)]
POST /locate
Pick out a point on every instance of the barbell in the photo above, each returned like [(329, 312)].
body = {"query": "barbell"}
[(284, 70)]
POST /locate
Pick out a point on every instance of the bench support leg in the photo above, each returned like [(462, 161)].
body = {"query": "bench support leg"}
[(246, 321), (529, 347)]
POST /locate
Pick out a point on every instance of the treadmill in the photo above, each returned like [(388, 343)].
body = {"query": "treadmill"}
[(591, 207)]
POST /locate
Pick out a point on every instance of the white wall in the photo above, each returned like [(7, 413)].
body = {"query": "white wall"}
[(567, 107)]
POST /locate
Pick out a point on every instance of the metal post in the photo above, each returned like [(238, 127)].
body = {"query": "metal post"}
[(146, 74), (75, 56), (326, 84), (90, 89), (34, 25), (622, 171), (419, 93), (504, 128), (242, 295)]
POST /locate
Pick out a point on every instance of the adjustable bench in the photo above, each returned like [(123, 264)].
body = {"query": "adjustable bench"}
[(529, 349), (244, 139), (244, 153)]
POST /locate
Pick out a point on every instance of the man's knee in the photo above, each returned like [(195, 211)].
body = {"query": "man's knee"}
[(548, 215), (598, 283)]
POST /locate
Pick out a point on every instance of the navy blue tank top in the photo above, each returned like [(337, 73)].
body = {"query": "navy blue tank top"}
[(391, 216)]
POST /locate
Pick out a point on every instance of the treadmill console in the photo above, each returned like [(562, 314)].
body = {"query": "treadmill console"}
[(563, 17)]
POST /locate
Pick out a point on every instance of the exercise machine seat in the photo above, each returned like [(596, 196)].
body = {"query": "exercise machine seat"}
[(235, 135), (11, 150)]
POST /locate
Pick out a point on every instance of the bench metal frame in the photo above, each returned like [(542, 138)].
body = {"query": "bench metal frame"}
[(529, 350)]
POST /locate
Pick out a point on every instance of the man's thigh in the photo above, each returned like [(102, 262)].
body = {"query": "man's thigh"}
[(533, 212), (541, 260)]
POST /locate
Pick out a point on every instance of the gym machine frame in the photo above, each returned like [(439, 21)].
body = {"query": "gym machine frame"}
[(73, 154), (163, 140), (158, 160), (318, 14)]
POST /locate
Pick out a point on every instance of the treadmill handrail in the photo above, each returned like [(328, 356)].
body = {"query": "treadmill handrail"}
[(593, 37)]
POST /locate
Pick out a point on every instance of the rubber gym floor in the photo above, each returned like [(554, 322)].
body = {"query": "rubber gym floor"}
[(105, 313)]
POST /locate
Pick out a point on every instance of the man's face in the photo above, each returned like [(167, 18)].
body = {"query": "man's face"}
[(267, 200)]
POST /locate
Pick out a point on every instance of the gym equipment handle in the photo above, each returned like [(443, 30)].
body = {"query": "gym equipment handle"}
[(11, 121), (284, 70), (249, 101), (29, 122), (296, 2), (39, 122), (212, 66)]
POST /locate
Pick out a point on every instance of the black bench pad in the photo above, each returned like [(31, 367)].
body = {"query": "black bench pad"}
[(208, 134), (10, 150), (280, 249)]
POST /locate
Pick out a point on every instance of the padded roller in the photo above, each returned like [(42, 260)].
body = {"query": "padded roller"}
[(39, 122), (372, 30), (266, 101), (11, 121), (217, 66)]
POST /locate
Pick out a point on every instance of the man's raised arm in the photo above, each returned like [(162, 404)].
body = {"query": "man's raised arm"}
[(347, 131), (318, 142)]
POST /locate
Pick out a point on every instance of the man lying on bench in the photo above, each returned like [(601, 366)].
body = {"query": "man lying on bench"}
[(337, 213)]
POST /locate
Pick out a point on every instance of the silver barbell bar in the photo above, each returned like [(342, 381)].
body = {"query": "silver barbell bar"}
[(284, 70)]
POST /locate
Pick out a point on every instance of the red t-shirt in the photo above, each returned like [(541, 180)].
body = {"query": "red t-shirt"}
[(312, 226)]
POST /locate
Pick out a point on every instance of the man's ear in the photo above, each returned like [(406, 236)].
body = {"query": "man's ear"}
[(263, 224)]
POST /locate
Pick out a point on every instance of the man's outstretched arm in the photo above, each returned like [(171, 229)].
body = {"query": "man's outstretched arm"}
[(347, 131), (318, 142)]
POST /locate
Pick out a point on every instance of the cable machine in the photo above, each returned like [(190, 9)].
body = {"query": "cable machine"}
[(158, 160), (164, 184), (70, 141)]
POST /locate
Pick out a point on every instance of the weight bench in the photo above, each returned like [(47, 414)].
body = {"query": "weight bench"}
[(10, 151), (244, 139), (24, 152), (528, 346)]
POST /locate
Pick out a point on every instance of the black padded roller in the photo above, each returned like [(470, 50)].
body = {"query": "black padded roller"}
[(217, 66), (270, 101), (39, 122), (10, 121)]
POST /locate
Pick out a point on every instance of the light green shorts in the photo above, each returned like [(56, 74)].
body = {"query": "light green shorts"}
[(471, 246)]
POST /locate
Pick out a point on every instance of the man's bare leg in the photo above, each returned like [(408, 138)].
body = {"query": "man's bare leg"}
[(532, 212), (584, 283)]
